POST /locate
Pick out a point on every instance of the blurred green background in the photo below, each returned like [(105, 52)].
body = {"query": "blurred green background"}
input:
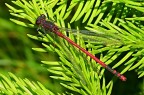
[(17, 56)]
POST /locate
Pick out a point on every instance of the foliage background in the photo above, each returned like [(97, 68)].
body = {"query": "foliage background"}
[(18, 57)]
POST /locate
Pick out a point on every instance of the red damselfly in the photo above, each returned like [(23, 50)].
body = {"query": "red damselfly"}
[(50, 26)]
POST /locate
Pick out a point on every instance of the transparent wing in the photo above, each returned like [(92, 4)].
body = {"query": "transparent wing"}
[(100, 37)]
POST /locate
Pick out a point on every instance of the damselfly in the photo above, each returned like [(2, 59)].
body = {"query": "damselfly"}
[(50, 26)]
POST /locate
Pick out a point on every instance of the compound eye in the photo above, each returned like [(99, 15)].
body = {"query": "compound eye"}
[(38, 21)]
